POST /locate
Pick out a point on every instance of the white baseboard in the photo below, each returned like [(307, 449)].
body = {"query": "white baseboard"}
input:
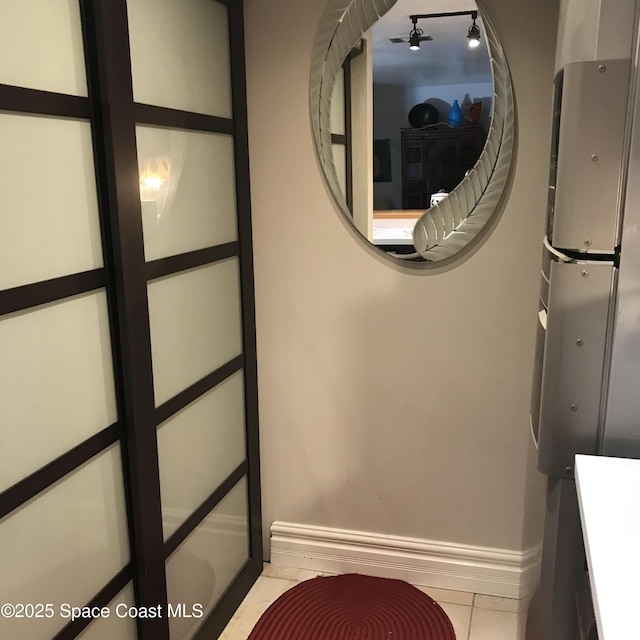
[(495, 572)]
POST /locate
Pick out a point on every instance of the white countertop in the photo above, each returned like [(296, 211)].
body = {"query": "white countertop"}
[(393, 230), (609, 499)]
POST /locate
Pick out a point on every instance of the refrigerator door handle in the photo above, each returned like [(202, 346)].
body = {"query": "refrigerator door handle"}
[(558, 254)]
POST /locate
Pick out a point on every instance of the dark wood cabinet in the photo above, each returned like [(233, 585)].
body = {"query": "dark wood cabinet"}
[(436, 158)]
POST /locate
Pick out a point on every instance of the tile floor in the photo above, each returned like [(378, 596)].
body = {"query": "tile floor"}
[(474, 616)]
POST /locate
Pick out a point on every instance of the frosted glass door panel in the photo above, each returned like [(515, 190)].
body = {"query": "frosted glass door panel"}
[(198, 448), (180, 55), (64, 545), (114, 627), (42, 45), (195, 324), (56, 382), (49, 225), (187, 188), (204, 565)]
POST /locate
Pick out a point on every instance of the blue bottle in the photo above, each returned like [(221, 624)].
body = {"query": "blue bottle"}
[(455, 115)]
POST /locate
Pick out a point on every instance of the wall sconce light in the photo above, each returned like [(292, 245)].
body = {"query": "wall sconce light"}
[(473, 34)]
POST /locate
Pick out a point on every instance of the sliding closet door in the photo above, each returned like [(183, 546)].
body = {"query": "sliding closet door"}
[(190, 133), (128, 393), (64, 535)]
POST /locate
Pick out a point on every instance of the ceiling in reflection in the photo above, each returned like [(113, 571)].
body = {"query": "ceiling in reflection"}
[(445, 60)]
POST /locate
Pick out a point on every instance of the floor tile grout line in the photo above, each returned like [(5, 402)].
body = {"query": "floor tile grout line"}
[(473, 608), (286, 579)]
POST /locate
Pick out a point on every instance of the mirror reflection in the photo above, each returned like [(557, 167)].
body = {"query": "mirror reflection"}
[(410, 112)]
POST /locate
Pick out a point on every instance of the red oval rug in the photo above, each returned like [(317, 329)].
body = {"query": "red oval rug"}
[(353, 607)]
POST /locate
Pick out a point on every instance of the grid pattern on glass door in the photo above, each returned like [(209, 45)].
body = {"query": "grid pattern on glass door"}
[(101, 270)]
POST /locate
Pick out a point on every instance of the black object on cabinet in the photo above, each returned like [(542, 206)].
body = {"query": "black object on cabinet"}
[(435, 159)]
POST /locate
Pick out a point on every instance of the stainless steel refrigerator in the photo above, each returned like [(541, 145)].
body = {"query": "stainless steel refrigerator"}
[(586, 389)]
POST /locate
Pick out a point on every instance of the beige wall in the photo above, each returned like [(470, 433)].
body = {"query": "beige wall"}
[(391, 401)]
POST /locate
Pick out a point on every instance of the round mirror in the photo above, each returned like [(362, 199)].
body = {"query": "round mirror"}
[(413, 127)]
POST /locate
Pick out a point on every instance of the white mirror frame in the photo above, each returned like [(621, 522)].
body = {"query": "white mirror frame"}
[(445, 228)]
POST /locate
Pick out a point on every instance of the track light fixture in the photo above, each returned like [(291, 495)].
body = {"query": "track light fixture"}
[(414, 36), (473, 34)]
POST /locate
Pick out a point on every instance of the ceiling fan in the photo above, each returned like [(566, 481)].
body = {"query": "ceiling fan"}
[(406, 39)]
